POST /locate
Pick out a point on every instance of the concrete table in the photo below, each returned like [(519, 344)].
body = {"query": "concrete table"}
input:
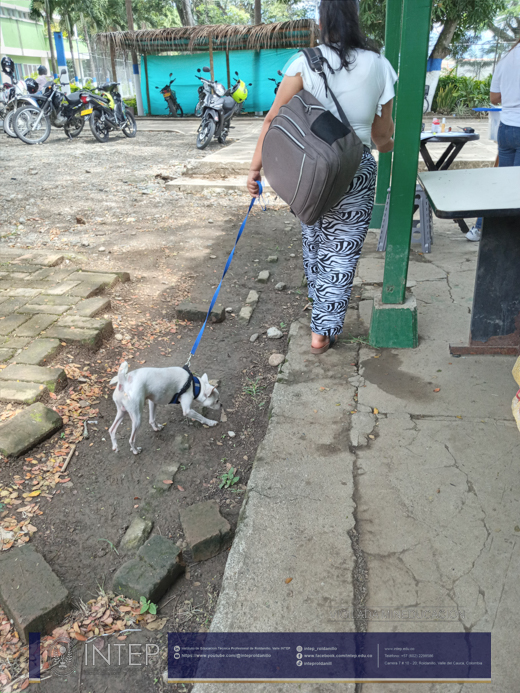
[(494, 194)]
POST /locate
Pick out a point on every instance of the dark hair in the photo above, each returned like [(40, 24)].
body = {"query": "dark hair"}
[(340, 30)]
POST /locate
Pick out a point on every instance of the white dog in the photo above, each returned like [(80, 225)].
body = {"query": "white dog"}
[(159, 386)]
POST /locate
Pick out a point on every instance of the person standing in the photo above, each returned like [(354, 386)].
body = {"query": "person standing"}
[(505, 90), (363, 83), (42, 78)]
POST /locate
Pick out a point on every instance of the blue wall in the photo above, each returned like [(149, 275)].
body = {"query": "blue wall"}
[(253, 66)]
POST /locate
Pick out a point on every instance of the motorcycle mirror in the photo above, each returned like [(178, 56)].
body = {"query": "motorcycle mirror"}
[(250, 84), (236, 73), (206, 69), (171, 74), (157, 87), (198, 69), (280, 73)]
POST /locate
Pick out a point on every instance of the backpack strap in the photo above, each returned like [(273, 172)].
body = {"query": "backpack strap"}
[(317, 61)]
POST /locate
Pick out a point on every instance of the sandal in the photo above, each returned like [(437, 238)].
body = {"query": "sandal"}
[(323, 349)]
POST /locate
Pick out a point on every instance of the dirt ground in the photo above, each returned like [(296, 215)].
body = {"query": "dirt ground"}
[(105, 207)]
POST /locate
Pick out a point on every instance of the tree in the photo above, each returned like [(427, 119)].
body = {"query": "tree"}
[(506, 27)]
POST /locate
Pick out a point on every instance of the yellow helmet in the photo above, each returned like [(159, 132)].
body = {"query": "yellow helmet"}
[(240, 93)]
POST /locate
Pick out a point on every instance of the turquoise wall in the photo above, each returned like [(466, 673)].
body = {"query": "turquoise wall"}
[(252, 66)]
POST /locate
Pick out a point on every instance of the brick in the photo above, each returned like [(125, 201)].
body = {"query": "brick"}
[(5, 354), (107, 279), (18, 293), (207, 532), (46, 300), (34, 309), (166, 473), (60, 289), (18, 267), (196, 312), (25, 393), (52, 275), (89, 307), (87, 289), (135, 535), (27, 429), (252, 298), (88, 338), (17, 275), (11, 322), (152, 572), (16, 343), (53, 378), (38, 352), (47, 259), (245, 314), (30, 592), (123, 277), (105, 327), (36, 325), (9, 305)]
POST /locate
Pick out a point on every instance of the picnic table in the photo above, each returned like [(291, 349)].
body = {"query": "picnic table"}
[(494, 194), (455, 142)]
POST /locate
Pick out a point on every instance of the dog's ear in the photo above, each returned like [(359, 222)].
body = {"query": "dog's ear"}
[(204, 379)]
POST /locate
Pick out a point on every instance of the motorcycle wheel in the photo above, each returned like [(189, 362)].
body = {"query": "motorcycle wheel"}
[(205, 134), (180, 112), (130, 128), (222, 138), (23, 121), (8, 125), (74, 127), (98, 128)]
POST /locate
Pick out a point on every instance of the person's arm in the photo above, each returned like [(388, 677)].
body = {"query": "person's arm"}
[(495, 97), (383, 129), (289, 87)]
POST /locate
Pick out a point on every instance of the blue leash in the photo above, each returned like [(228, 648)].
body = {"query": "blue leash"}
[(228, 263)]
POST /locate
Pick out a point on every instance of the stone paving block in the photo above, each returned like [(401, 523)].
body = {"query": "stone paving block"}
[(16, 343), (45, 259), (52, 275), (15, 275), (108, 279), (152, 572), (195, 312), (123, 276), (245, 314), (27, 429), (90, 306), (136, 534), (25, 393), (166, 473), (17, 267), (252, 298), (88, 338), (36, 325), (29, 293), (53, 378), (104, 326), (30, 592), (45, 299), (9, 305), (34, 309), (5, 354), (87, 289), (11, 322), (206, 531), (38, 352), (60, 289), (263, 277)]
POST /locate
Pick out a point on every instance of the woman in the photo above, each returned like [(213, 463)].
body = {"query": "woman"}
[(363, 82)]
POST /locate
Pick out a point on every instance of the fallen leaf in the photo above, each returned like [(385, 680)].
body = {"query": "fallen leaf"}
[(180, 488), (288, 581), (35, 493), (437, 389), (156, 625), (52, 395), (376, 411), (80, 637), (166, 481)]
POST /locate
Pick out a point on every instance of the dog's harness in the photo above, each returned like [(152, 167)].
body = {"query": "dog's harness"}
[(192, 380)]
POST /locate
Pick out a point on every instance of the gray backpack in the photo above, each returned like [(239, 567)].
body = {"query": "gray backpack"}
[(309, 156)]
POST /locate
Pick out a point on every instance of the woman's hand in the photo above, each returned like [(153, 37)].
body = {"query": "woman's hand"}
[(385, 148), (252, 182)]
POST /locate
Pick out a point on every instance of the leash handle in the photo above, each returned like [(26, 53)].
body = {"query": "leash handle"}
[(228, 263)]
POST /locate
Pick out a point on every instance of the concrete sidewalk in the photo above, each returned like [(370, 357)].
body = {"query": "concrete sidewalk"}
[(373, 489)]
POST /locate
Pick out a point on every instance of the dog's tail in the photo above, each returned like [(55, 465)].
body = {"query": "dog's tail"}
[(121, 375)]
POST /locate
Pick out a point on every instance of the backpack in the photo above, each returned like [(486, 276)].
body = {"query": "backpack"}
[(309, 156)]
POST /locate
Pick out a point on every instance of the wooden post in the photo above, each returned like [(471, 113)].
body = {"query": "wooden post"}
[(148, 108), (227, 68), (113, 61), (211, 58)]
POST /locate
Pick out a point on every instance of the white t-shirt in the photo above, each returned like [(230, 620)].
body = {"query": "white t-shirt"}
[(362, 90), (506, 81)]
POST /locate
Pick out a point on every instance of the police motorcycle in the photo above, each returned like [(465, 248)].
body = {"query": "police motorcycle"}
[(32, 124), (219, 107), (14, 95), (109, 112)]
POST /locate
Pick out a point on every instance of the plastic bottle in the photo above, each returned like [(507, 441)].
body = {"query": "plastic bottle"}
[(443, 125), (436, 125), (515, 405)]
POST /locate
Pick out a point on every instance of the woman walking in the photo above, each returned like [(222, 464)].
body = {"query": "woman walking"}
[(363, 83)]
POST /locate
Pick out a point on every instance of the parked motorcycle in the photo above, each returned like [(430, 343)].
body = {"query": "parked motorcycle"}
[(12, 96), (277, 83), (32, 123), (218, 109), (171, 99), (109, 112)]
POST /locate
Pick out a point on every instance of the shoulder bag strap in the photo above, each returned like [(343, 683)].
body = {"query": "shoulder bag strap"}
[(316, 62)]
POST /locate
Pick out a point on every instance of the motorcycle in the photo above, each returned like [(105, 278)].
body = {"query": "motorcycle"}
[(171, 99), (109, 112), (277, 83), (12, 98), (219, 107), (32, 123)]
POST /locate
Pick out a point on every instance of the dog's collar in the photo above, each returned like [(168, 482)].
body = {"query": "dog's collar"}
[(192, 380)]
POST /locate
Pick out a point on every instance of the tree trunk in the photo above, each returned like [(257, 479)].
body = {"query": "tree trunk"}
[(188, 13), (71, 48), (113, 61), (443, 46), (54, 64), (89, 48), (258, 11)]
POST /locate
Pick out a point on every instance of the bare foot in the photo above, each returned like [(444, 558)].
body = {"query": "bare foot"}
[(319, 340)]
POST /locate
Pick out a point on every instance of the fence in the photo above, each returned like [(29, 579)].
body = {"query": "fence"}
[(100, 69)]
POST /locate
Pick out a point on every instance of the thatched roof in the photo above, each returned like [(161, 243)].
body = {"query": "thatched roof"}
[(190, 39)]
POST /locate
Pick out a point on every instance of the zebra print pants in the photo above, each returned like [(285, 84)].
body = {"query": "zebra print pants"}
[(331, 250)]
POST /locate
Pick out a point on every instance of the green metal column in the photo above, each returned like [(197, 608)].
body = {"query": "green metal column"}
[(394, 318), (394, 18)]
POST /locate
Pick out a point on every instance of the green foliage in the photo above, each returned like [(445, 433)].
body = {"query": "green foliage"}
[(147, 605), (459, 94), (132, 103), (242, 11), (229, 479)]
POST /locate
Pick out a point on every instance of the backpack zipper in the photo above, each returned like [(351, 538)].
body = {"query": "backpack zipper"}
[(299, 181), (289, 135), (310, 106), (295, 124)]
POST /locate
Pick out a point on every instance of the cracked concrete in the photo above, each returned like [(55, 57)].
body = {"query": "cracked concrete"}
[(387, 479)]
